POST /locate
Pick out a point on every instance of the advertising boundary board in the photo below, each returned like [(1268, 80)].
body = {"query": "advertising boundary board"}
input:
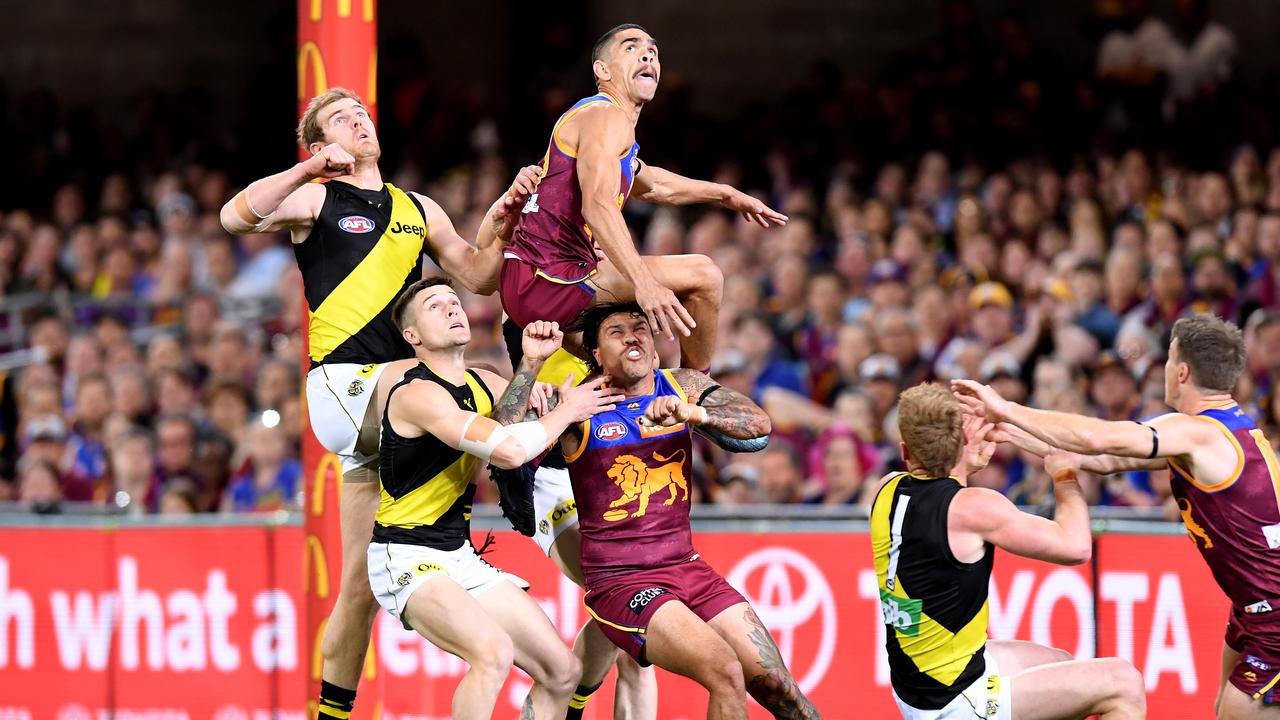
[(165, 623)]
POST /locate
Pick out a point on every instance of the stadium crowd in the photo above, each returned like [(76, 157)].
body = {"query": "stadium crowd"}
[(976, 210)]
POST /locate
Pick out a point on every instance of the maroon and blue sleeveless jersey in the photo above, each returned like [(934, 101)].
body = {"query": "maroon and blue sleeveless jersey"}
[(631, 484), (1236, 525), (552, 234)]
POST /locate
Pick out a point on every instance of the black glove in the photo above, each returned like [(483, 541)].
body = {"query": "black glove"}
[(515, 497)]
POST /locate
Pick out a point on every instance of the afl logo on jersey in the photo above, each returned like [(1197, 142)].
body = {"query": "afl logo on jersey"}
[(356, 224), (611, 431)]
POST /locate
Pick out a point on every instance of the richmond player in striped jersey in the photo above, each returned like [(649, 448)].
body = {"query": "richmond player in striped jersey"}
[(934, 540), (440, 421), (359, 243)]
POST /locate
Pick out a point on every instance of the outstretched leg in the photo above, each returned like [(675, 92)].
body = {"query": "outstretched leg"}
[(766, 675)]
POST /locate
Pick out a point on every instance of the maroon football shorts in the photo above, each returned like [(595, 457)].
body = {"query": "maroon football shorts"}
[(623, 605), (529, 294), (1257, 674)]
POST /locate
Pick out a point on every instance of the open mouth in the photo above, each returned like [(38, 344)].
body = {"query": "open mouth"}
[(633, 354), (647, 73), (456, 326)]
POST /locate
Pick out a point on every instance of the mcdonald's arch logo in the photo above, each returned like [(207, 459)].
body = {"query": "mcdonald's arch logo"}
[(309, 56), (344, 10), (370, 662), (317, 652), (320, 563), (318, 484)]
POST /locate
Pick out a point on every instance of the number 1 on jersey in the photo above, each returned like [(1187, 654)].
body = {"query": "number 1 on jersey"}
[(895, 541)]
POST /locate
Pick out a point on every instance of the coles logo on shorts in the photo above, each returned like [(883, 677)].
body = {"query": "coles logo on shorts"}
[(641, 599), (611, 431), (356, 224)]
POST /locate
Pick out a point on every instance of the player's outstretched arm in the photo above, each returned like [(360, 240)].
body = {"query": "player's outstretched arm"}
[(712, 406), (286, 200), (1096, 464), (991, 517), (1174, 434), (422, 408), (656, 185)]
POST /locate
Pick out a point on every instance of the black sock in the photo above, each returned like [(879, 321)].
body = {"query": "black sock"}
[(579, 701), (335, 702)]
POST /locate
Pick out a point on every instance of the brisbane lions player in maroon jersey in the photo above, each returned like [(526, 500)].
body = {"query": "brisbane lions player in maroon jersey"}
[(1225, 480), (591, 167), (646, 586)]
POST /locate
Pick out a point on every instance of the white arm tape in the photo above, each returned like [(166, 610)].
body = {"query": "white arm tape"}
[(531, 435)]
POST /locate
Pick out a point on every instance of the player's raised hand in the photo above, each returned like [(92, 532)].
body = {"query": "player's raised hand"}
[(331, 162), (981, 400), (665, 313), (525, 184), (588, 399), (541, 339), (668, 410), (978, 446), (542, 398), (504, 214), (753, 209)]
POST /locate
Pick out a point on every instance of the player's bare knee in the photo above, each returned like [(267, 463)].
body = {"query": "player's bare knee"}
[(707, 277), (1059, 655), (493, 656), (723, 673), (561, 674)]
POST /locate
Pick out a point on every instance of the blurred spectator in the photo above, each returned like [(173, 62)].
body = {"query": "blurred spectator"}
[(739, 485), (781, 475), (39, 486), (273, 480), (179, 498), (136, 486)]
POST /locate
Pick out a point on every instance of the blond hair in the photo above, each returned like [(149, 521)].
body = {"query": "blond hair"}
[(309, 130), (932, 426)]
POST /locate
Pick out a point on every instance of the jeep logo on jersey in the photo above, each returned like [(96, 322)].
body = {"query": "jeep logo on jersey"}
[(410, 229), (356, 224), (611, 431)]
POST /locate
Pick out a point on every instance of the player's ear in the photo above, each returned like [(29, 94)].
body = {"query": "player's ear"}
[(906, 454), (595, 355), (601, 71), (315, 147), (1184, 372), (411, 336)]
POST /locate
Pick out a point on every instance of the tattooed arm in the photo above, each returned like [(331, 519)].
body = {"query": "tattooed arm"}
[(711, 406)]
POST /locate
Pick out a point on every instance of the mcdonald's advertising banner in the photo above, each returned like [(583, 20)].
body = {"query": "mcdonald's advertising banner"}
[(205, 624), (337, 46)]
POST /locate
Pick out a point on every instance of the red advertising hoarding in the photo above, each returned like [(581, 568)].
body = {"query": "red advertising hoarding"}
[(206, 623)]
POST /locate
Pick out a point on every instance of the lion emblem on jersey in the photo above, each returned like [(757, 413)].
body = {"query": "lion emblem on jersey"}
[(1193, 528), (639, 482)]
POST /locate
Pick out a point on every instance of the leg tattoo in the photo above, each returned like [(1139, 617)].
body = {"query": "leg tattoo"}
[(771, 683), (526, 713)]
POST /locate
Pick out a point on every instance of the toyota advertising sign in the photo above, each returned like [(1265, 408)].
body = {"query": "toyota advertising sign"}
[(206, 623)]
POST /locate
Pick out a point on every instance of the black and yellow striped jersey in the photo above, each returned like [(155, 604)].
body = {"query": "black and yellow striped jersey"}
[(934, 606), (364, 249), (427, 486)]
